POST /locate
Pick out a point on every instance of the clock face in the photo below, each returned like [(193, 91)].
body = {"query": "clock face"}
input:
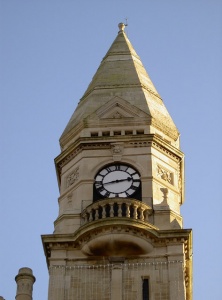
[(117, 181)]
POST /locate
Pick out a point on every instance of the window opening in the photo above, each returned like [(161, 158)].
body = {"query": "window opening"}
[(145, 289), (140, 132), (94, 134), (117, 132), (128, 132), (105, 133)]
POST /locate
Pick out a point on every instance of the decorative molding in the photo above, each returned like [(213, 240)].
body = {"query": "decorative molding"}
[(165, 174), (69, 198), (131, 230), (117, 150), (72, 177), (79, 241), (77, 150), (117, 115), (146, 142), (164, 150), (165, 194), (117, 108)]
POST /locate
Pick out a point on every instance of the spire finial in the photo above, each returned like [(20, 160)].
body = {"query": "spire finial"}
[(121, 27)]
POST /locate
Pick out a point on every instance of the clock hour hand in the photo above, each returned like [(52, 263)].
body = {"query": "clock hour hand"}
[(118, 180)]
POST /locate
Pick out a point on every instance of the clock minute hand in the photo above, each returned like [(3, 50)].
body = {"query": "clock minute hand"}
[(118, 180)]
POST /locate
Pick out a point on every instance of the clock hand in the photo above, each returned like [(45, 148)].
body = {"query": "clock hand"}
[(118, 180)]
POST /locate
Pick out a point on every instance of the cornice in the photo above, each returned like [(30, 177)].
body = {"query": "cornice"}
[(146, 140), (158, 238)]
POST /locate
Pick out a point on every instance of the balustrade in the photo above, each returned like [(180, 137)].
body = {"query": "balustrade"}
[(116, 207)]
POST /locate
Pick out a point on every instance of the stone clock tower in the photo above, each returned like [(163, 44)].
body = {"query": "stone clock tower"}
[(119, 232)]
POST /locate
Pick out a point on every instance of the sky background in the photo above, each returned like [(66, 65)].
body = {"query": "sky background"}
[(50, 51)]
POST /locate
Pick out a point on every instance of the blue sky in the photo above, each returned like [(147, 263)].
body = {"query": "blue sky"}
[(50, 49)]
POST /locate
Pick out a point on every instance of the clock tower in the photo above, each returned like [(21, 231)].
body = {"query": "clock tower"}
[(119, 232)]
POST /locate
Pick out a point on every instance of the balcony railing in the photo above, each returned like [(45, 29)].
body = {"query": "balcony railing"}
[(116, 207)]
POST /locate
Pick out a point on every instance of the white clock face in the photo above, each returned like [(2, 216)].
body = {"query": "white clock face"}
[(117, 181)]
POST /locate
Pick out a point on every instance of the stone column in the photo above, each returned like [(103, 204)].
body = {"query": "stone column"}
[(25, 281)]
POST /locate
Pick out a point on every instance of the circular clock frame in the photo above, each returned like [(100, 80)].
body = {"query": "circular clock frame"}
[(117, 180)]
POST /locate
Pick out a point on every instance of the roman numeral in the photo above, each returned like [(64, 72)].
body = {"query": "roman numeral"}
[(107, 194), (134, 187), (98, 182), (133, 173), (123, 168), (101, 175), (100, 189)]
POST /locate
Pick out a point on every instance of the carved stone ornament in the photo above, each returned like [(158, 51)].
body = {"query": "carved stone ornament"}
[(117, 150), (72, 178), (117, 115), (165, 174)]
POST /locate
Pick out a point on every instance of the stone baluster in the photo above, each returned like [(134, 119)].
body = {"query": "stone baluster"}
[(111, 209), (119, 209), (135, 211), (127, 210), (141, 213), (92, 212), (96, 213), (103, 211), (146, 215), (90, 215), (84, 217)]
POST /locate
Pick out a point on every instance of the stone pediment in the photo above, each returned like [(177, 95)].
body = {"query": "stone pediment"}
[(117, 108)]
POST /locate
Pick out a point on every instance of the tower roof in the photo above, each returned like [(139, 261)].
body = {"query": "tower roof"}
[(121, 73)]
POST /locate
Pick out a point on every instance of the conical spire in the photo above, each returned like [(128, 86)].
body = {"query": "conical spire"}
[(120, 67), (121, 73)]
